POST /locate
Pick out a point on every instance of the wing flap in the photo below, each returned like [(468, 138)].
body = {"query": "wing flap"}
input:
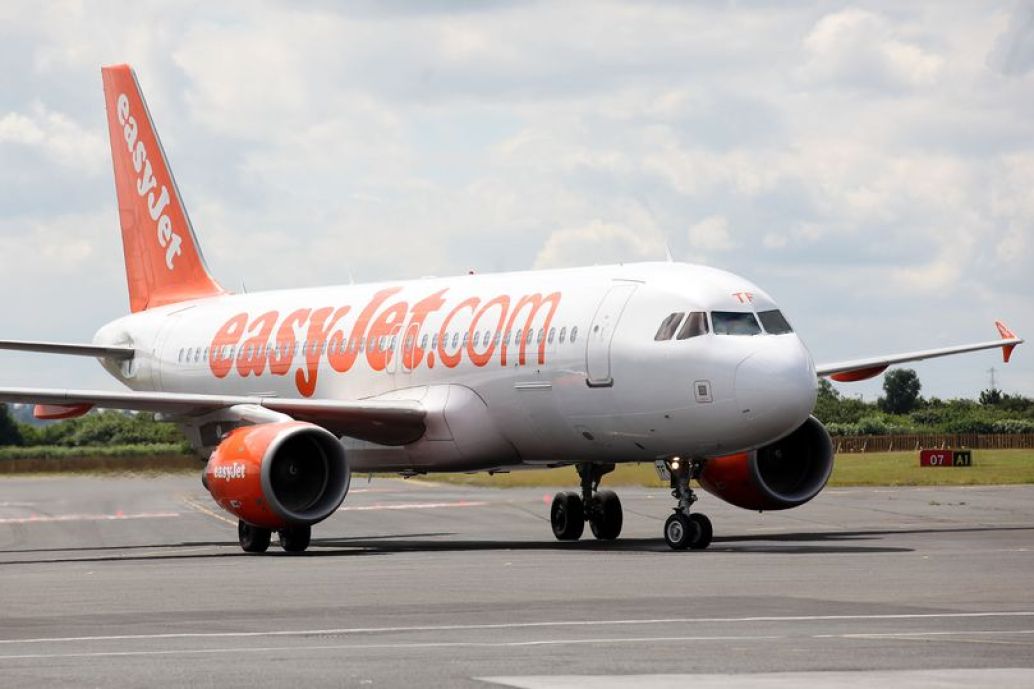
[(394, 422)]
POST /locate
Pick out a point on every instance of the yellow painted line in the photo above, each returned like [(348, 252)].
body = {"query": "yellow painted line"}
[(204, 510)]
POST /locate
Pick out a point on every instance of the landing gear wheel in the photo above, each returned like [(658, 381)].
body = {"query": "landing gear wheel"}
[(680, 532), (567, 516), (705, 529), (605, 517), (295, 539), (253, 539)]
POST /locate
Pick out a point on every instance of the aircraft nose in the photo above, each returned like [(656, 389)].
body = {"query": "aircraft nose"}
[(776, 387)]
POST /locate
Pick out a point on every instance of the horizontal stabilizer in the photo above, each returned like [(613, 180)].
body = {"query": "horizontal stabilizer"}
[(101, 352)]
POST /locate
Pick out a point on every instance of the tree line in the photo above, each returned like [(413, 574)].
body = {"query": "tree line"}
[(903, 410), (97, 428)]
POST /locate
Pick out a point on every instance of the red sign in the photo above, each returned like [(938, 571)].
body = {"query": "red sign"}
[(945, 458)]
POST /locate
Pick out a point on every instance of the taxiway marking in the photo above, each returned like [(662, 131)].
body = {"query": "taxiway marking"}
[(46, 519), (528, 625)]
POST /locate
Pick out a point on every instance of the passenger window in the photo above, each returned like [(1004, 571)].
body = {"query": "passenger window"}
[(695, 325), (574, 334), (552, 334), (455, 340), (423, 341), (735, 323), (774, 323), (668, 326), (563, 334)]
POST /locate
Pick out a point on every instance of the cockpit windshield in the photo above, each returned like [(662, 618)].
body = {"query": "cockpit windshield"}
[(774, 322), (735, 323)]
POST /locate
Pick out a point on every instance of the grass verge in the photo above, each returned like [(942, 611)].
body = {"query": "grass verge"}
[(990, 467), (111, 459)]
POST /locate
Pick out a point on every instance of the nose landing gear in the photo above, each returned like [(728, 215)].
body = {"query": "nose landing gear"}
[(684, 529), (601, 508)]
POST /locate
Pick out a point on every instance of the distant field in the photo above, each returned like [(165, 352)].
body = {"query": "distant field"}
[(990, 467), (111, 459)]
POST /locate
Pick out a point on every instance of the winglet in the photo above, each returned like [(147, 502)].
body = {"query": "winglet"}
[(1006, 334)]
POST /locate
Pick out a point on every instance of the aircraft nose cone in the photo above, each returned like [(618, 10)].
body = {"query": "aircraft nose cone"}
[(776, 387)]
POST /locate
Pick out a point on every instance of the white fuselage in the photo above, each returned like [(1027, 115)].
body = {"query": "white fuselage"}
[(539, 367)]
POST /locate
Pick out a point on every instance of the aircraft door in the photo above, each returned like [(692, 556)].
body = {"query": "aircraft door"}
[(408, 347), (394, 348), (601, 334)]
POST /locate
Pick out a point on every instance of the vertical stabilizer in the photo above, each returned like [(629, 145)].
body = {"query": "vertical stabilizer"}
[(164, 264)]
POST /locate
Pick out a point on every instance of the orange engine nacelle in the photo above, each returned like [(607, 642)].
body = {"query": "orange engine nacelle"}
[(784, 474), (274, 475)]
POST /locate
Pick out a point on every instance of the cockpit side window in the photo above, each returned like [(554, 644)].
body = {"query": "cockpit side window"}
[(668, 326), (774, 323), (695, 325), (735, 323)]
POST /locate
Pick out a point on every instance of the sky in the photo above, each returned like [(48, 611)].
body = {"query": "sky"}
[(870, 165)]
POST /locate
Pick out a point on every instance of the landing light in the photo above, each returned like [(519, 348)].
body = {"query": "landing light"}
[(675, 463)]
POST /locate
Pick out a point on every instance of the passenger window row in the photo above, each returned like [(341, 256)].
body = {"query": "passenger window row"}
[(384, 343)]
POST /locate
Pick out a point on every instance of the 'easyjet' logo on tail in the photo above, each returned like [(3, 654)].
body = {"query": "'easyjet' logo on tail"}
[(146, 184)]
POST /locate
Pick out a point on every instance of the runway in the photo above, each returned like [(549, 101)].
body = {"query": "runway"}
[(140, 582)]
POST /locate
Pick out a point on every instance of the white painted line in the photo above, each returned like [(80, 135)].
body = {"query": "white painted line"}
[(521, 625), (47, 519), (901, 635), (401, 646), (411, 506), (979, 678)]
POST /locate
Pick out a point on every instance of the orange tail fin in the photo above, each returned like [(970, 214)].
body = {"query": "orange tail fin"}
[(164, 264)]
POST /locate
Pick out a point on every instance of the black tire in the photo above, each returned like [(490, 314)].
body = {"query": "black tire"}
[(567, 515), (680, 531), (706, 531), (253, 539), (606, 517), (295, 539)]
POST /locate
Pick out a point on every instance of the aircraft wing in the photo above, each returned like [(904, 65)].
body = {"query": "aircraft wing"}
[(395, 422), (860, 369), (98, 351)]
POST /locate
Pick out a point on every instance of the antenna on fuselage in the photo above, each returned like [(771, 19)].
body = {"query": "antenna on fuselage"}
[(667, 252)]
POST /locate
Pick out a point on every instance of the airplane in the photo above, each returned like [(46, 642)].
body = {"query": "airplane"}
[(287, 393)]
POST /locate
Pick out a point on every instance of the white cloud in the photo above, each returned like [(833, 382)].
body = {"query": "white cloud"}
[(56, 136), (869, 166), (862, 48), (597, 242), (711, 234)]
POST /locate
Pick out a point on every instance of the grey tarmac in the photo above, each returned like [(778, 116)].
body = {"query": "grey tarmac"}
[(139, 582)]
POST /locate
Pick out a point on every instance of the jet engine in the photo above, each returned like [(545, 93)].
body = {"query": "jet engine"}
[(276, 475), (778, 476)]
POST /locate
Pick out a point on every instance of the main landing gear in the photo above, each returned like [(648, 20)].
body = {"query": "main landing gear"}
[(255, 539), (601, 508), (684, 529)]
